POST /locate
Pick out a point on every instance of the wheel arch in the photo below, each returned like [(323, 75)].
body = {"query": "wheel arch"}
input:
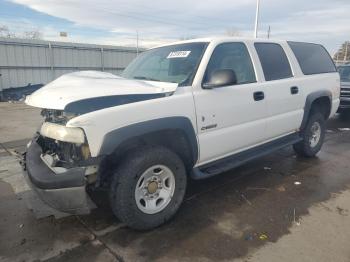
[(175, 133), (322, 100)]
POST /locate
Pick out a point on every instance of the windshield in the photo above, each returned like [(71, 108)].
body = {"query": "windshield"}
[(175, 64), (344, 72)]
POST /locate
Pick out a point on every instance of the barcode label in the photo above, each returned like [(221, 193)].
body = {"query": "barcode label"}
[(178, 54)]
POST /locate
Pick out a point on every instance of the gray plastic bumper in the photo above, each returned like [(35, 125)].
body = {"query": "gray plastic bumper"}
[(65, 192)]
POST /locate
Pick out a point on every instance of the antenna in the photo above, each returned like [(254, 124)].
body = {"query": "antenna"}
[(137, 42), (257, 19)]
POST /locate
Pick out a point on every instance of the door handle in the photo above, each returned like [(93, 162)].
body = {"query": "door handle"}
[(259, 96), (294, 90)]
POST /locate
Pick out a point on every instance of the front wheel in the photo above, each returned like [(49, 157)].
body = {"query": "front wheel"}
[(313, 136), (148, 187)]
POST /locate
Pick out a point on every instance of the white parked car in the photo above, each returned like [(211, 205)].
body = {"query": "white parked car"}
[(189, 109)]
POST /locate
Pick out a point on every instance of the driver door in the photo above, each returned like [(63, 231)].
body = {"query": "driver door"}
[(230, 118)]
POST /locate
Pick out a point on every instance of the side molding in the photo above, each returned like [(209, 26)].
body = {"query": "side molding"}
[(309, 100), (116, 137)]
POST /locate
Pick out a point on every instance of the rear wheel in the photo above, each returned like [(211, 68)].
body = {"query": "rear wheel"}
[(148, 187), (313, 136)]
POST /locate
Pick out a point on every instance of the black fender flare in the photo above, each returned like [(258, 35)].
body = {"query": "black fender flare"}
[(115, 138), (308, 103)]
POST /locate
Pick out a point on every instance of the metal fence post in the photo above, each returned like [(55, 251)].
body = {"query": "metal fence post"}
[(51, 61), (102, 60), (1, 88)]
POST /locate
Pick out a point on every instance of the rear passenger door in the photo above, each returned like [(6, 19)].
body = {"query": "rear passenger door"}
[(283, 93)]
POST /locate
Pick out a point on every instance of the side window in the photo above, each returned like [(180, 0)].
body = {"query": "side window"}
[(312, 58), (232, 56), (274, 61)]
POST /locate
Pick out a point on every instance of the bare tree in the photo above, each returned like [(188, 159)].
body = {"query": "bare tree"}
[(35, 34), (183, 38), (232, 32), (343, 54), (6, 32)]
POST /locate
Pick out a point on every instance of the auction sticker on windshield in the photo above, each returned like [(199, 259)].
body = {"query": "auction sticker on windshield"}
[(178, 54)]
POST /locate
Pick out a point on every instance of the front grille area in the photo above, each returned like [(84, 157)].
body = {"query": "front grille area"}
[(66, 154), (345, 92)]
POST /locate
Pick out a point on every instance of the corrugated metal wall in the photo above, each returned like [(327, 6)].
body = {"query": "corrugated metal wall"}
[(24, 62)]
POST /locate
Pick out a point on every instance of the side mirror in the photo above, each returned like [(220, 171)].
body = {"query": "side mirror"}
[(220, 78)]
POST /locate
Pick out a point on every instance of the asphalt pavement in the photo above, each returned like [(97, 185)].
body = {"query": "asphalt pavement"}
[(277, 208)]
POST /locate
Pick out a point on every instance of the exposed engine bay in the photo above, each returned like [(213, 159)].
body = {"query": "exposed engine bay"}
[(59, 153)]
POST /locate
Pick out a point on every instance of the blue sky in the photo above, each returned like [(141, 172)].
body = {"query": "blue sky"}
[(159, 21)]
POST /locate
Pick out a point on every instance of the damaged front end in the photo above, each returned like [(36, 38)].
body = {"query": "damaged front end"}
[(58, 165)]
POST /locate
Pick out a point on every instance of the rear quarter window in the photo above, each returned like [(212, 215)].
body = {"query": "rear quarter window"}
[(312, 58)]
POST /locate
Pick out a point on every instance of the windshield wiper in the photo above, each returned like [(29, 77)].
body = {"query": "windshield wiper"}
[(146, 78)]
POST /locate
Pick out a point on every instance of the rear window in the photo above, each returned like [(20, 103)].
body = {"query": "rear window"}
[(274, 61), (312, 58)]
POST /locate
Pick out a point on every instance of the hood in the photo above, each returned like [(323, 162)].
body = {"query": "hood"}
[(87, 85)]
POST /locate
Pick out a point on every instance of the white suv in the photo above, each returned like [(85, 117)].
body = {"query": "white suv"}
[(190, 109)]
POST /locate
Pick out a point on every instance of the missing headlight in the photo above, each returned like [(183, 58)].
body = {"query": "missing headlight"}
[(57, 116)]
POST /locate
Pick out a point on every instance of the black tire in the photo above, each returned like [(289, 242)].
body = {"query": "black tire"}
[(124, 182), (304, 147)]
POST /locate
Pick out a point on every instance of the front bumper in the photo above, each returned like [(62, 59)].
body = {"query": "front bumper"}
[(65, 192)]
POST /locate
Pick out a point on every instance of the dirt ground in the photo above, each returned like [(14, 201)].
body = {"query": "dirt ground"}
[(278, 208)]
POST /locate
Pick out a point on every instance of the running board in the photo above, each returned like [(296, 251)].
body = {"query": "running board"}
[(230, 162)]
